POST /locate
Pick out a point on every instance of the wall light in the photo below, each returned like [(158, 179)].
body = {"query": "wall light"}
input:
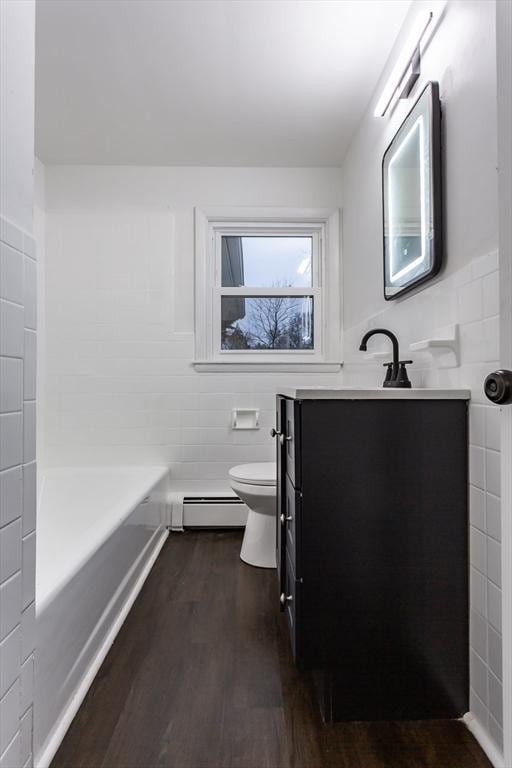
[(417, 128), (407, 68)]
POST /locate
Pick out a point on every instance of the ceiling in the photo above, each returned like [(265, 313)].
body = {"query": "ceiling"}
[(207, 82)]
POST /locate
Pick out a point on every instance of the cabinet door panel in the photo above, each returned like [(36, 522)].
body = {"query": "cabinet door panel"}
[(291, 436), (292, 525), (281, 495), (290, 596)]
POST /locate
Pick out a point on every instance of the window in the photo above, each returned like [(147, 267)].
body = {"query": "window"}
[(262, 289)]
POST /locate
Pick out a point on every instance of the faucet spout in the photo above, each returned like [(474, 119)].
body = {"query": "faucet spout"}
[(396, 353)]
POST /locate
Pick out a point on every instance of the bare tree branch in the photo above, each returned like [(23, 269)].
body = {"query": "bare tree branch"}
[(272, 322)]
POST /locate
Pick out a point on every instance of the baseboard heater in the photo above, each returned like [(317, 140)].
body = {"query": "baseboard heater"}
[(200, 510)]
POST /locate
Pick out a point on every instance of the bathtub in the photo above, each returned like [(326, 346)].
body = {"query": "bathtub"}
[(99, 531)]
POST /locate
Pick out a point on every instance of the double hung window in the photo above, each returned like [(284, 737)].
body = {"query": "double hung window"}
[(261, 291)]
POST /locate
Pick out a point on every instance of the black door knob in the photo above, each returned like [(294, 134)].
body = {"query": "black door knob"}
[(498, 387)]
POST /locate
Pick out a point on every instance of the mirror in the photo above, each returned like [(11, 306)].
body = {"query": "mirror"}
[(411, 192)]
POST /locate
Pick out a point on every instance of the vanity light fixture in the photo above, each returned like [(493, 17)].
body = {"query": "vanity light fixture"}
[(407, 69)]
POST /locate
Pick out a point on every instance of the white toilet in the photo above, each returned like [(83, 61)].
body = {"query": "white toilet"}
[(255, 484)]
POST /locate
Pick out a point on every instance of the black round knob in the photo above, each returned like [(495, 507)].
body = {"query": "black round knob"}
[(498, 387)]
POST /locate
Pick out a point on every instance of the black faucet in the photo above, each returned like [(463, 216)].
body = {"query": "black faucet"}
[(396, 375)]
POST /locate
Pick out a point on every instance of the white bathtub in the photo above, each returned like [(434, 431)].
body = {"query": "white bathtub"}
[(99, 531)]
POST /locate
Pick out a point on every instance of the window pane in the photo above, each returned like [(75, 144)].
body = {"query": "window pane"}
[(266, 262), (267, 322)]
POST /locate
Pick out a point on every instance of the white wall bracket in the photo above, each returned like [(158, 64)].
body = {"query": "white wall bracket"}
[(443, 348)]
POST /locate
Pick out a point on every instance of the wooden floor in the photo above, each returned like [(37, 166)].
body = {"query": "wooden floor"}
[(201, 676)]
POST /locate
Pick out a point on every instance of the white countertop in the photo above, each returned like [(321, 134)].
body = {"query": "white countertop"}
[(374, 393)]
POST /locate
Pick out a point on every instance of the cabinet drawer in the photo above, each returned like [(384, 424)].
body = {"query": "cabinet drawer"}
[(291, 433)]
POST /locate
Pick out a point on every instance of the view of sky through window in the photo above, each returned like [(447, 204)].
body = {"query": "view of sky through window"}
[(266, 262)]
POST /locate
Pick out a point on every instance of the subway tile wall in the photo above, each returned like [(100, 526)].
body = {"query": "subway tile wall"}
[(119, 382), (469, 298), (18, 276)]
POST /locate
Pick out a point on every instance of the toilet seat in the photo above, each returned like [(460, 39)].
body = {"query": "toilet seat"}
[(262, 473)]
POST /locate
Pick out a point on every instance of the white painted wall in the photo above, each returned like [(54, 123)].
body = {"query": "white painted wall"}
[(18, 270), (461, 57), (119, 312)]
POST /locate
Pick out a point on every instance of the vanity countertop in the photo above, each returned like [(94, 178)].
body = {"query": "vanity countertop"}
[(374, 393)]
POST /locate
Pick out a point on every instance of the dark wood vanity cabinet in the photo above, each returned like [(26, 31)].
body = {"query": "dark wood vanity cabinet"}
[(372, 553)]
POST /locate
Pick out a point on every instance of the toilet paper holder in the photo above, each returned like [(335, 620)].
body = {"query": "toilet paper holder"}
[(245, 418)]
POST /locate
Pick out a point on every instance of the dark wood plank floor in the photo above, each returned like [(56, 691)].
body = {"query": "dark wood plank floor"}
[(201, 676)]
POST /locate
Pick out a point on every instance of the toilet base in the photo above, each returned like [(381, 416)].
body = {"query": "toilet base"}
[(258, 546)]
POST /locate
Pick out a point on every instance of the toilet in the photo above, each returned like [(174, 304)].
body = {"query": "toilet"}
[(255, 484)]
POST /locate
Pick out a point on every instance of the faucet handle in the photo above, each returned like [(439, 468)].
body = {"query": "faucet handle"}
[(402, 380), (389, 374)]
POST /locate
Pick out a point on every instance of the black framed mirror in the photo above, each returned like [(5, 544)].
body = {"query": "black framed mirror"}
[(412, 198)]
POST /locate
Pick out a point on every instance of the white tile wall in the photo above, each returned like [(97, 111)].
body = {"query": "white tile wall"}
[(10, 604), (11, 440), (470, 299), (12, 755), (11, 495), (26, 737), (119, 380), (18, 274), (11, 274), (11, 329), (11, 384), (10, 550), (9, 715), (29, 569), (10, 659)]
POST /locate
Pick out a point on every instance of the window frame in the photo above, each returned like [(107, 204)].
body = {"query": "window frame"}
[(323, 226)]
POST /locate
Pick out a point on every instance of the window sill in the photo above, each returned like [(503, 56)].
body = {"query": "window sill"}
[(236, 366)]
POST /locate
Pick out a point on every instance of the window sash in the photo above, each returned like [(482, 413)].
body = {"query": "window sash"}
[(276, 231), (315, 291)]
